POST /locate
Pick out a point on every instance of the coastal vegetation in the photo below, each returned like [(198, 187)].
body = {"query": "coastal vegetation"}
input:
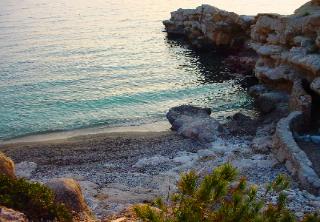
[(33, 199), (221, 196)]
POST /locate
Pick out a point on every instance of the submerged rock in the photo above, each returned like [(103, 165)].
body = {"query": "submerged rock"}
[(7, 166), (195, 123)]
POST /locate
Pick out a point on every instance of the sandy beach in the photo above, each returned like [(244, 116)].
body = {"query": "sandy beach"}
[(106, 164)]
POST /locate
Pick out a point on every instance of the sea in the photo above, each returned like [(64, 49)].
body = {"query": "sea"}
[(78, 64)]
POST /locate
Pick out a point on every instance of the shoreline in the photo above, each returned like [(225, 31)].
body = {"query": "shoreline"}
[(159, 126), (118, 169)]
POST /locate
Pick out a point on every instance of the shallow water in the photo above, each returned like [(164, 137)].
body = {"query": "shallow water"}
[(75, 64)]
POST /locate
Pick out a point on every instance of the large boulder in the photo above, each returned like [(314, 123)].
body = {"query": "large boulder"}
[(7, 166), (68, 192), (195, 123)]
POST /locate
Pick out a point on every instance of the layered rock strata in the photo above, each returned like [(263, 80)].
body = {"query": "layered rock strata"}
[(289, 53)]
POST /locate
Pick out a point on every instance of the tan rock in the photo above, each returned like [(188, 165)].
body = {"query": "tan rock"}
[(210, 25), (7, 166), (68, 192), (10, 215)]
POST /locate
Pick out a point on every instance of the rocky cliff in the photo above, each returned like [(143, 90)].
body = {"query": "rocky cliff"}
[(288, 47), (287, 64)]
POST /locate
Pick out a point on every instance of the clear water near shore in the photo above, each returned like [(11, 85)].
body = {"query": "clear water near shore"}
[(75, 64)]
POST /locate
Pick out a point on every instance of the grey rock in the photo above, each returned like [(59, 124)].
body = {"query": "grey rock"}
[(257, 90), (195, 123), (25, 169), (267, 102)]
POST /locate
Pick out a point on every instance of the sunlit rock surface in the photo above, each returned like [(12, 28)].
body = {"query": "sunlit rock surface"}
[(7, 166), (207, 25)]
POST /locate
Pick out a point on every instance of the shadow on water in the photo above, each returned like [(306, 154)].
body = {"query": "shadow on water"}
[(208, 63)]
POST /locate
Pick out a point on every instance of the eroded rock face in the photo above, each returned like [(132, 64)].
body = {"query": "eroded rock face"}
[(7, 166), (195, 123), (207, 25), (68, 192), (289, 54), (288, 46)]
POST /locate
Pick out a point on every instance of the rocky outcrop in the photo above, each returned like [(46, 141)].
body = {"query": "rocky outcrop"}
[(286, 150), (68, 192), (10, 215), (288, 46), (195, 123), (208, 25), (7, 166)]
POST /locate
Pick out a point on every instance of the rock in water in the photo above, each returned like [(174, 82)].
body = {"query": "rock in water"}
[(7, 166), (195, 123), (68, 192)]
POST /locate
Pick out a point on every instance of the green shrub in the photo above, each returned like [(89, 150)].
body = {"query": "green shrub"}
[(35, 200), (220, 197)]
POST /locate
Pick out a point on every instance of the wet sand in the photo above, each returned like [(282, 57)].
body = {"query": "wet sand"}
[(148, 127)]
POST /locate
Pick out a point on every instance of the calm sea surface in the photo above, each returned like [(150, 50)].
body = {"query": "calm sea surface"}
[(70, 64)]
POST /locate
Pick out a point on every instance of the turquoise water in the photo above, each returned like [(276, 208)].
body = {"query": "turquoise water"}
[(75, 64)]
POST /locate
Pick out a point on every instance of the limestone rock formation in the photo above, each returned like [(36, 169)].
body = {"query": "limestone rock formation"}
[(9, 215), (289, 54), (7, 166), (68, 192), (207, 25), (195, 123)]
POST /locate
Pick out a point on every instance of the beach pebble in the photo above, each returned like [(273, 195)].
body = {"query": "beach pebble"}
[(151, 161)]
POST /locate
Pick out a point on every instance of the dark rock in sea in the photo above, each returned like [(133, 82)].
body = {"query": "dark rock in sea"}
[(195, 123)]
